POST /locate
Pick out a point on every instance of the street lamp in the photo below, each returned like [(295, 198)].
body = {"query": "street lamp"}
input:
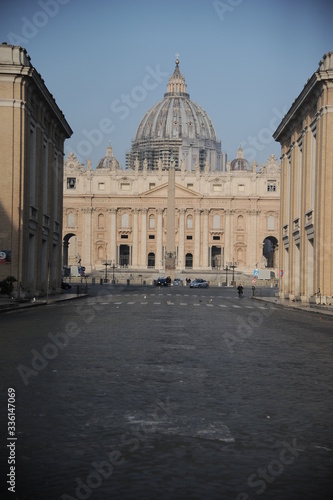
[(233, 265), (113, 268), (226, 274), (106, 264)]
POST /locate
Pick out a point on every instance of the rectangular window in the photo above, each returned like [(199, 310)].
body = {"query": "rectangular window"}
[(271, 186), (188, 237), (151, 237), (216, 238), (217, 187), (124, 236), (189, 186), (71, 183), (101, 186), (152, 222), (270, 223), (125, 186), (241, 188)]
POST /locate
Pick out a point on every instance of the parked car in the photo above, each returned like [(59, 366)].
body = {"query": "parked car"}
[(199, 283), (177, 282), (162, 282)]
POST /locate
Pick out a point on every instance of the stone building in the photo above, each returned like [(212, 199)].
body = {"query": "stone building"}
[(121, 216), (306, 137), (32, 134), (224, 213)]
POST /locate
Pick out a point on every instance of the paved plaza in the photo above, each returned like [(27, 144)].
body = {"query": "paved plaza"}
[(172, 393)]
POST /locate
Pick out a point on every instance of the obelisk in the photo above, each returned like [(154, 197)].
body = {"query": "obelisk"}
[(170, 251)]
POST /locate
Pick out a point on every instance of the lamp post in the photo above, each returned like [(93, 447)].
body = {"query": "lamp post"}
[(113, 268), (48, 281), (226, 274), (106, 264), (233, 265)]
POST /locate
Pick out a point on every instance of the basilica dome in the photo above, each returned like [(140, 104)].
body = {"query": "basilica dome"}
[(176, 124), (176, 116)]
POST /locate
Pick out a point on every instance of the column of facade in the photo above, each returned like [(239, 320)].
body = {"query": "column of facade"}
[(254, 244), (135, 247), (205, 240), (159, 239), (196, 259), (227, 237), (87, 242), (181, 239), (113, 236), (143, 257)]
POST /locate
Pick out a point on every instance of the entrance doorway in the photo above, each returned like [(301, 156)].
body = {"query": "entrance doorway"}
[(70, 250), (189, 261), (124, 255), (270, 245), (151, 260), (216, 257)]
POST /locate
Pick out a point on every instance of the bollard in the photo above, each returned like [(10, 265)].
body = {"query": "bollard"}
[(253, 289)]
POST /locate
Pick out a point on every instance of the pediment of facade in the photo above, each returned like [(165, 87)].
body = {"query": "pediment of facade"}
[(162, 192)]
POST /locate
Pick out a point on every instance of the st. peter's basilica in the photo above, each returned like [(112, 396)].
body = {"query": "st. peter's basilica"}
[(224, 212)]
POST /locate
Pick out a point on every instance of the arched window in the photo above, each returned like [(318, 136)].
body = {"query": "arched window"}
[(152, 222), (240, 255), (124, 220), (100, 252), (151, 259), (100, 221), (70, 220), (189, 222), (216, 221), (240, 222), (271, 222), (189, 260)]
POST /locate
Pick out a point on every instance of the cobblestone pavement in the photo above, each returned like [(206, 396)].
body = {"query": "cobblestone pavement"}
[(147, 393)]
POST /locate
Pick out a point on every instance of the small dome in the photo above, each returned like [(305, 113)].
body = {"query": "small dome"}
[(109, 161), (240, 163)]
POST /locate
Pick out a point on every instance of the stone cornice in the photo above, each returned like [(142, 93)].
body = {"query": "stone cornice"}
[(321, 75)]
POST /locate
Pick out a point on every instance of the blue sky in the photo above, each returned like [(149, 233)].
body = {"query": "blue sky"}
[(108, 62)]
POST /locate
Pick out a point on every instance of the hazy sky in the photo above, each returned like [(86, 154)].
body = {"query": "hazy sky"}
[(108, 62)]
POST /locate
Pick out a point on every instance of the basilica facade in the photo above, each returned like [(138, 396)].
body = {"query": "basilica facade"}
[(225, 213)]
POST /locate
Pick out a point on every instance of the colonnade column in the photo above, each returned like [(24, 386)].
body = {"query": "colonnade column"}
[(181, 239), (255, 246), (227, 237), (196, 263), (205, 240), (159, 239), (135, 247), (113, 236), (143, 259)]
